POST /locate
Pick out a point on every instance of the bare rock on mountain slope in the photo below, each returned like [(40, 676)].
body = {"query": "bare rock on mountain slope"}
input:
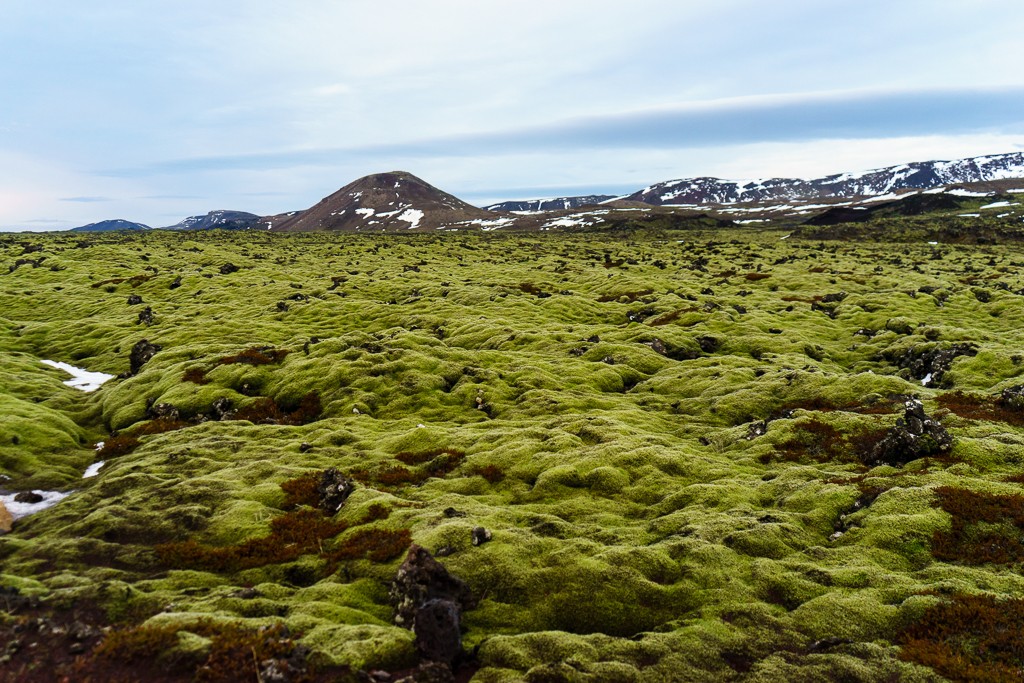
[(218, 220), (877, 182), (391, 202), (555, 204)]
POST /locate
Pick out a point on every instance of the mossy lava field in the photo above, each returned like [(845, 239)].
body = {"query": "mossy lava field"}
[(705, 455)]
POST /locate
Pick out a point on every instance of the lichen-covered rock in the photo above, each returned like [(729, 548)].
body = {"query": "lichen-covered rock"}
[(30, 497), (929, 362), (334, 489), (915, 436), (430, 601), (436, 626), (141, 354), (1012, 398)]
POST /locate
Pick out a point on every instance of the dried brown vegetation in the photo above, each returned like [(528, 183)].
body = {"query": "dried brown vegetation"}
[(970, 638), (985, 527)]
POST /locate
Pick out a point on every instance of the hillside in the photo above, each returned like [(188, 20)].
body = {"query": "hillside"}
[(918, 175), (383, 202), (219, 220), (556, 204), (114, 225)]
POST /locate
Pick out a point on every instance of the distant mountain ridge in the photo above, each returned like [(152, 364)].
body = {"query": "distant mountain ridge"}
[(395, 201), (556, 204), (914, 176), (220, 219), (111, 226)]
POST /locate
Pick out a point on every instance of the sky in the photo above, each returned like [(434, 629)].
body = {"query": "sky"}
[(154, 111)]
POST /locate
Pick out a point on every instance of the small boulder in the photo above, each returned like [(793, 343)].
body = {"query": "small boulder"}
[(436, 626), (334, 490), (915, 436), (134, 300), (30, 497), (145, 316), (140, 354), (421, 579), (480, 535), (1012, 398), (228, 268)]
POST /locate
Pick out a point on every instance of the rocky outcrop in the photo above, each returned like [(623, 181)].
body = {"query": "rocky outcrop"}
[(915, 436), (430, 601)]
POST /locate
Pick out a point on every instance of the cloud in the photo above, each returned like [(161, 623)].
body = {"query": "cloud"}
[(860, 114), (86, 200)]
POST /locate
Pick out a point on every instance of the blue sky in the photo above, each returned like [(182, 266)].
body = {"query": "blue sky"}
[(158, 110)]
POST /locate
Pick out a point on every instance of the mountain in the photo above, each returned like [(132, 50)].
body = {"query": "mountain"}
[(111, 226), (557, 204), (877, 182), (221, 220), (396, 201)]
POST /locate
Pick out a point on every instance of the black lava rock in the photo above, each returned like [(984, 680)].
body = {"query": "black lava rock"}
[(141, 353), (915, 436), (334, 490), (30, 497)]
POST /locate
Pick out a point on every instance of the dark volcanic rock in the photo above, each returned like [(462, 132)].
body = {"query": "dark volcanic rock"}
[(480, 535), (229, 268), (134, 300), (334, 489), (430, 601), (163, 411), (30, 497), (436, 626), (915, 436), (929, 362), (145, 316), (140, 355), (1012, 398)]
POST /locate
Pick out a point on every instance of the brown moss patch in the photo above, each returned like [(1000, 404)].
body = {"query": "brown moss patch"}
[(302, 490), (436, 462), (970, 638), (266, 410), (257, 355), (121, 444), (301, 532), (979, 408), (235, 653), (818, 441), (492, 473), (985, 527), (195, 376)]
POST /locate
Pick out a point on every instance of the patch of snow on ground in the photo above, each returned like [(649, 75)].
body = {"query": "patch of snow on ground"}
[(365, 213), (93, 469), (19, 510), (883, 197), (412, 216), (969, 215), (1000, 205), (967, 193), (80, 379), (568, 222)]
